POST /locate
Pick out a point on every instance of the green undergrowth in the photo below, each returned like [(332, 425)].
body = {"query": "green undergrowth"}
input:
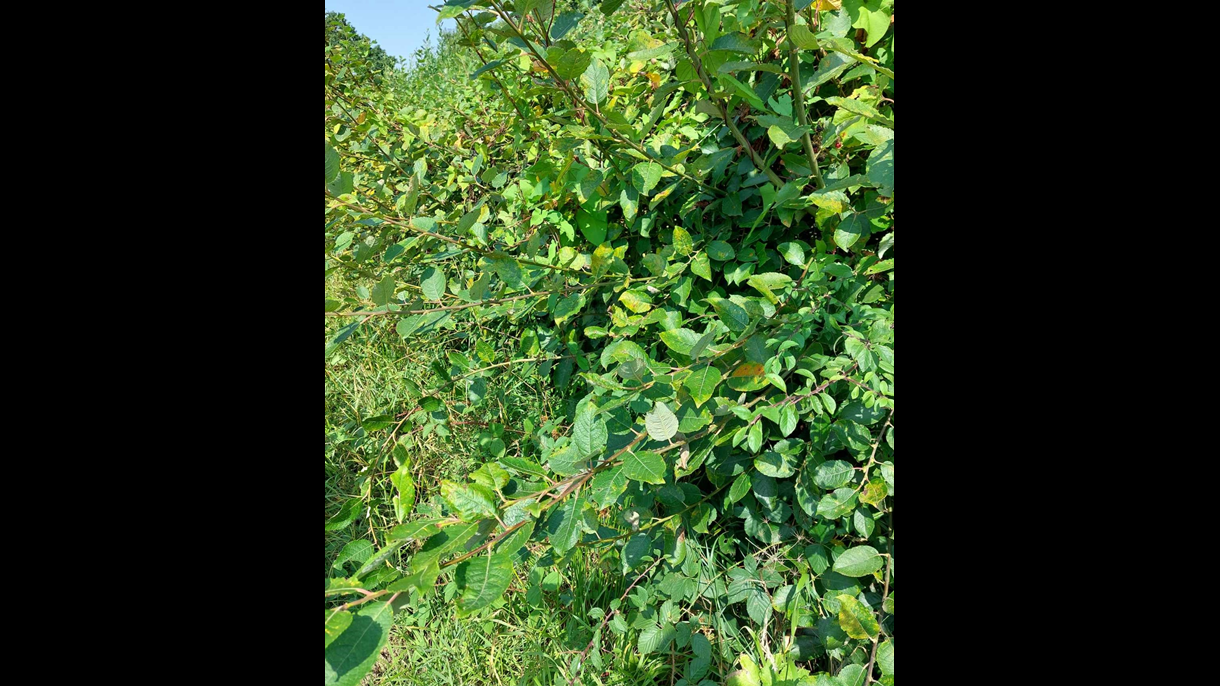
[(610, 383)]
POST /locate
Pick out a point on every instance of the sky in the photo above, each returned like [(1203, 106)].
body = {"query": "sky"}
[(398, 26)]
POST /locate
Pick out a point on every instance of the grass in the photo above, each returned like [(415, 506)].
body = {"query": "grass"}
[(375, 373)]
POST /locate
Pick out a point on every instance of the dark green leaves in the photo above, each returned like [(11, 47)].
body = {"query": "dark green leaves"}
[(564, 525), (777, 465), (720, 251), (350, 656), (483, 579), (655, 639), (645, 176), (701, 266), (332, 164), (645, 465), (573, 63), (507, 269), (485, 68), (588, 432), (702, 384), (837, 504), (564, 23), (859, 561), (592, 225), (732, 314), (736, 42), (833, 474)]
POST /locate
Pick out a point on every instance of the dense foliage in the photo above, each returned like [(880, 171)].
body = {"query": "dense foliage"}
[(679, 216)]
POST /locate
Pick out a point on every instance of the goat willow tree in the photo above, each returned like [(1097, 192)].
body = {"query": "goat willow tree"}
[(685, 212)]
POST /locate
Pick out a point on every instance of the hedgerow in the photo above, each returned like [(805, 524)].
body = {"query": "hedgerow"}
[(680, 215)]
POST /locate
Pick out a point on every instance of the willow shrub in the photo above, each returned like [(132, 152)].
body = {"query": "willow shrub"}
[(684, 213)]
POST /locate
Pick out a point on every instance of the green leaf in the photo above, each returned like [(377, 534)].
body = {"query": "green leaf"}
[(507, 269), (645, 176), (573, 63), (802, 37), (336, 622), (701, 266), (564, 525), (588, 433), (343, 183), (433, 283), (346, 515), (698, 667), (741, 486), (769, 280), (856, 620), (702, 384), (859, 561), (885, 657), (564, 23), (787, 419), (485, 68), (880, 169), (784, 132), (593, 226), (858, 107), (720, 251), (754, 437), (682, 240), (852, 675), (661, 422), (607, 486), (793, 252), (352, 655), (743, 90), (635, 550), (776, 465), (469, 500), (414, 530), (645, 465), (483, 579), (608, 6), (358, 551), (655, 638), (405, 486), (332, 164), (833, 474), (568, 307), (680, 340), (733, 315), (758, 606), (735, 42), (595, 81), (837, 504), (869, 16)]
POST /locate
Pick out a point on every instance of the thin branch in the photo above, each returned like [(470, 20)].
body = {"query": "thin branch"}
[(794, 59), (885, 594), (707, 82), (596, 114)]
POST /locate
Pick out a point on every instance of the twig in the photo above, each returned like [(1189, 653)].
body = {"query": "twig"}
[(885, 594), (794, 59)]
